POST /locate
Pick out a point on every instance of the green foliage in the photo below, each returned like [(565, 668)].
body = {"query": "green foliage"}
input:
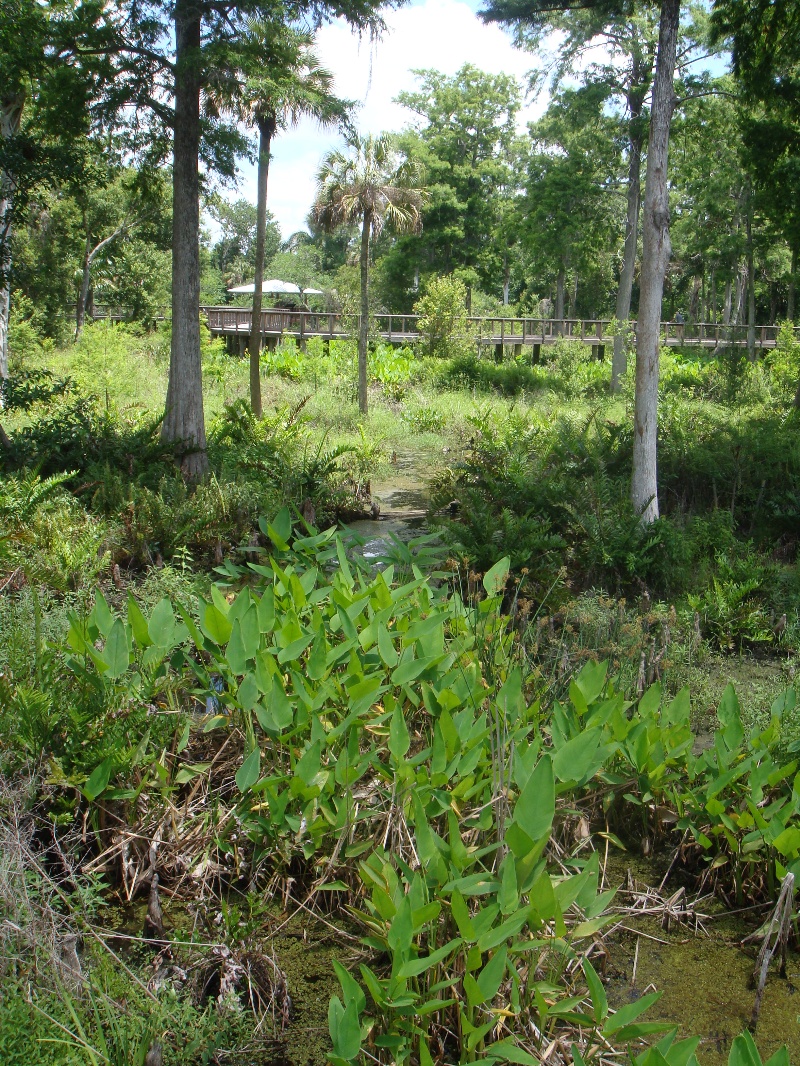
[(732, 609), (423, 418), (784, 360), (343, 682), (442, 324), (22, 390)]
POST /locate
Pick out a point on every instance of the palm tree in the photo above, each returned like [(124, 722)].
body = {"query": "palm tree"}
[(286, 83), (372, 184)]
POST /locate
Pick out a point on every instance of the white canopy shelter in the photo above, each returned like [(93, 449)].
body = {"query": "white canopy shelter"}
[(274, 285)]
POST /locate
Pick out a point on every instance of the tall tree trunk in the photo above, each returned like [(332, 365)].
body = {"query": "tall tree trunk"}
[(83, 291), (751, 284), (726, 308), (184, 422), (619, 363), (791, 295), (10, 118), (741, 292), (266, 130), (713, 306), (506, 280), (655, 259), (363, 325), (561, 281)]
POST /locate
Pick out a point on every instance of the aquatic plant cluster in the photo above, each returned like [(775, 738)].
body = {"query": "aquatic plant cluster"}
[(384, 749)]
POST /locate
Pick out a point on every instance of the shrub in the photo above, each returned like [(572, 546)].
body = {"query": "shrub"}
[(784, 360), (443, 325)]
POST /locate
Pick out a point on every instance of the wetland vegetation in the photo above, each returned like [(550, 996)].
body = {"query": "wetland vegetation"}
[(429, 782), (424, 705)]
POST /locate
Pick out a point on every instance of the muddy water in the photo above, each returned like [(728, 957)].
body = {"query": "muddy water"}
[(401, 495), (704, 976), (302, 947)]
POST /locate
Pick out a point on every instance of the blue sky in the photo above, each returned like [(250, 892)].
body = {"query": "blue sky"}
[(437, 34)]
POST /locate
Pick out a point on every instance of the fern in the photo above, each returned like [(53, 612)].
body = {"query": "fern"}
[(21, 496)]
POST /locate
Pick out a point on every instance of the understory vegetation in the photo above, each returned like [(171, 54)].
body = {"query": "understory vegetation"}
[(232, 749)]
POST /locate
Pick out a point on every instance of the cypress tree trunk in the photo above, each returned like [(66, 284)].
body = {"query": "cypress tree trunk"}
[(619, 364), (751, 286), (266, 129), (83, 292), (713, 305), (791, 295), (655, 259), (10, 118), (560, 286), (184, 423), (363, 326)]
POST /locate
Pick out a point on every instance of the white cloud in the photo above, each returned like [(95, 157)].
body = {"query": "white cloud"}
[(437, 34)]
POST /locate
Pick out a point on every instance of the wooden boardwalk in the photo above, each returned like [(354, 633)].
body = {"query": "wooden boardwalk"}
[(234, 322)]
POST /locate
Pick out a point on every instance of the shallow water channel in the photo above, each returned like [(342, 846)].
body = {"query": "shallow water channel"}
[(403, 500)]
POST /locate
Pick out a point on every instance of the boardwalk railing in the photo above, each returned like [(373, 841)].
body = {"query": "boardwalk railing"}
[(488, 331)]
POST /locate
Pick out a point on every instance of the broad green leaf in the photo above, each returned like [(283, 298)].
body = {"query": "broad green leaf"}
[(508, 896), (317, 659), (494, 580), (590, 681), (678, 711), (215, 625), (508, 1051), (141, 747), (351, 989), (574, 760), (410, 669), (278, 714), (266, 611), (730, 718), (536, 806), (161, 626), (780, 1058), (235, 651), (308, 764), (629, 1013), (462, 916), (414, 967), (491, 976), (401, 931), (102, 615), (344, 1028), (386, 647), (251, 632), (98, 779), (138, 623), (650, 701), (190, 771), (115, 653), (247, 774), (279, 530), (183, 740), (597, 992), (744, 1051), (248, 692), (399, 740)]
